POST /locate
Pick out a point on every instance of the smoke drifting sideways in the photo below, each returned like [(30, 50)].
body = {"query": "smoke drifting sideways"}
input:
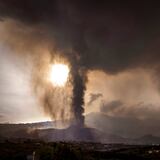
[(107, 36)]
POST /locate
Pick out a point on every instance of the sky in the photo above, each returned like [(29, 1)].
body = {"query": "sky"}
[(112, 50), (17, 102)]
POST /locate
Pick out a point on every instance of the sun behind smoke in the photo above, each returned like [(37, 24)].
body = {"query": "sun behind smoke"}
[(59, 74)]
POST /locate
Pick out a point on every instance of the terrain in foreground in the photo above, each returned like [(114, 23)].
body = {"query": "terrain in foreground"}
[(26, 150)]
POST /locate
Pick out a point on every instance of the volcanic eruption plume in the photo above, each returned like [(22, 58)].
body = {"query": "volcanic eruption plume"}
[(88, 35), (79, 87)]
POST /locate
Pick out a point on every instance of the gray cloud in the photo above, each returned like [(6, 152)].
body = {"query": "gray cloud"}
[(108, 36), (126, 126), (132, 120), (94, 97), (139, 110), (113, 37), (111, 106)]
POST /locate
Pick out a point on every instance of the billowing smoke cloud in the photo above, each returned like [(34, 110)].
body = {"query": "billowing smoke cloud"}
[(139, 110), (112, 37), (94, 97), (128, 120), (111, 106)]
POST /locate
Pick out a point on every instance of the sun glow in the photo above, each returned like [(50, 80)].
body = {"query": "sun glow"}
[(59, 74)]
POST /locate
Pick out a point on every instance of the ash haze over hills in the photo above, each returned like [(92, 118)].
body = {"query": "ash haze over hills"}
[(46, 131), (112, 49)]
